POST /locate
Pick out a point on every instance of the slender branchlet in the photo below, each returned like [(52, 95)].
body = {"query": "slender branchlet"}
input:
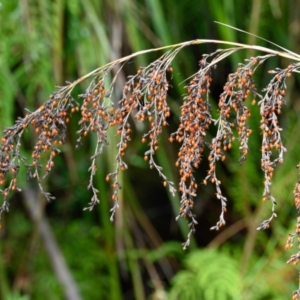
[(295, 237)]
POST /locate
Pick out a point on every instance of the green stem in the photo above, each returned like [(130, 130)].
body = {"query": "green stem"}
[(4, 287), (108, 231), (133, 266)]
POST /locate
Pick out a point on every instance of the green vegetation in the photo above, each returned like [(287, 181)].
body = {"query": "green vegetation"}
[(55, 250)]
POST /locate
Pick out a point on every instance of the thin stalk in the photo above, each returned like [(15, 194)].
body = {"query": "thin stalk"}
[(133, 266), (123, 235), (108, 231), (122, 232), (254, 23), (4, 286), (238, 46)]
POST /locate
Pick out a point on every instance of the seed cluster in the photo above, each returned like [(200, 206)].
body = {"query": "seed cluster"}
[(233, 114), (144, 99), (95, 118), (49, 124), (236, 90), (155, 109), (270, 109), (195, 119)]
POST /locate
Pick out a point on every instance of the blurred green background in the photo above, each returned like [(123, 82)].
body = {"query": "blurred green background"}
[(67, 253)]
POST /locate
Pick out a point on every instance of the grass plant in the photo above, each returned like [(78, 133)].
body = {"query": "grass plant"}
[(144, 98)]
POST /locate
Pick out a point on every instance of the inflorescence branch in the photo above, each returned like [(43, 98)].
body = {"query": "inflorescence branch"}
[(145, 99)]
